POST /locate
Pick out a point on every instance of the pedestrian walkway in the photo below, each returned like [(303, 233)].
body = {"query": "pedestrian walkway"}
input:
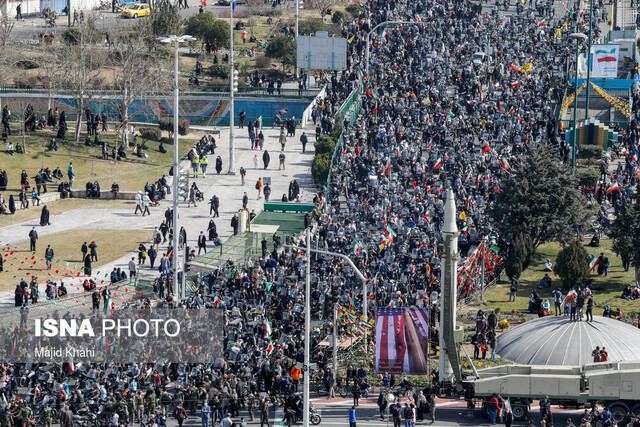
[(227, 187)]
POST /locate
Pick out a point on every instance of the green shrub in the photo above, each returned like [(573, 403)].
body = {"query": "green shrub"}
[(337, 127), (590, 152), (183, 127), (71, 36), (587, 177), (497, 310), (321, 166), (219, 70), (166, 124), (311, 26), (152, 134), (572, 264), (325, 144), (354, 10), (337, 16)]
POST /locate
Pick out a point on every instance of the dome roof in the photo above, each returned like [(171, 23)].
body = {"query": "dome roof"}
[(554, 340)]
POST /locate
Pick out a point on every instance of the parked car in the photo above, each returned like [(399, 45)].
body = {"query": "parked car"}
[(136, 10)]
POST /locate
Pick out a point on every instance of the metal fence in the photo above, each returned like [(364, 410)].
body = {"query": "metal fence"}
[(113, 119), (193, 91), (236, 249), (343, 112)]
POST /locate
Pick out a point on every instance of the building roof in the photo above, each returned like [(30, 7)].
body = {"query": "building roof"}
[(554, 340)]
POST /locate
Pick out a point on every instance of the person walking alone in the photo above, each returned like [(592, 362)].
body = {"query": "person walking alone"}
[(138, 203), (33, 238), (48, 255), (352, 417), (202, 243), (264, 411)]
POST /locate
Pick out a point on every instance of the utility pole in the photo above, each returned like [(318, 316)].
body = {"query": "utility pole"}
[(232, 166), (335, 341), (307, 330), (588, 59), (483, 254)]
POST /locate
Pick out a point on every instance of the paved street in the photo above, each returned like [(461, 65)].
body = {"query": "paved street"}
[(31, 26), (334, 412)]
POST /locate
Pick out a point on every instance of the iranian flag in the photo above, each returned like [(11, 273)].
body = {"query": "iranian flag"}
[(259, 123), (438, 163), (357, 248), (541, 22), (614, 187), (387, 168), (384, 34), (216, 302), (486, 148), (270, 347), (418, 18), (267, 326), (514, 68), (593, 262), (504, 162), (390, 232), (570, 295)]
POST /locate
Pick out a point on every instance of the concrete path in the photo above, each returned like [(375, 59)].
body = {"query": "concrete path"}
[(195, 219)]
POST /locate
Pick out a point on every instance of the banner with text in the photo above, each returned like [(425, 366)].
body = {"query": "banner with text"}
[(402, 337), (126, 335), (604, 60)]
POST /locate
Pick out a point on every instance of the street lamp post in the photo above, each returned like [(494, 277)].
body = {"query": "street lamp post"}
[(176, 40), (307, 312), (232, 164), (589, 59), (574, 141), (390, 399), (378, 26)]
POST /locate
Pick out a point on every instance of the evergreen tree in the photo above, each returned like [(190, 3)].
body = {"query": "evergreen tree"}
[(540, 200), (626, 234), (572, 264)]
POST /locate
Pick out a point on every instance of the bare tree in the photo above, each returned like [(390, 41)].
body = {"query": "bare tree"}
[(8, 59), (82, 60), (52, 67), (6, 26), (321, 5), (254, 9), (136, 72)]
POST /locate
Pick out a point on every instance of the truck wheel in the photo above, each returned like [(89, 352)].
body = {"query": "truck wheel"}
[(484, 409), (619, 413), (520, 411)]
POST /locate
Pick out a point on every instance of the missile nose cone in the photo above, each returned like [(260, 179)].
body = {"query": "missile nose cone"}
[(449, 225)]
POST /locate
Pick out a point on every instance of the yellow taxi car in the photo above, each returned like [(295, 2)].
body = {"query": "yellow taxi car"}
[(136, 10)]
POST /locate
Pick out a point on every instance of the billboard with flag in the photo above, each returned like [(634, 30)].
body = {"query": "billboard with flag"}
[(604, 60), (402, 339)]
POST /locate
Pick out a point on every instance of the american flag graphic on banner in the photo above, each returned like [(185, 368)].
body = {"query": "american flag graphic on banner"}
[(402, 336)]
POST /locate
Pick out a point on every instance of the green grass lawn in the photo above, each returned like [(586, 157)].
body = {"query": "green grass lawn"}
[(607, 290), (131, 173), (19, 262)]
